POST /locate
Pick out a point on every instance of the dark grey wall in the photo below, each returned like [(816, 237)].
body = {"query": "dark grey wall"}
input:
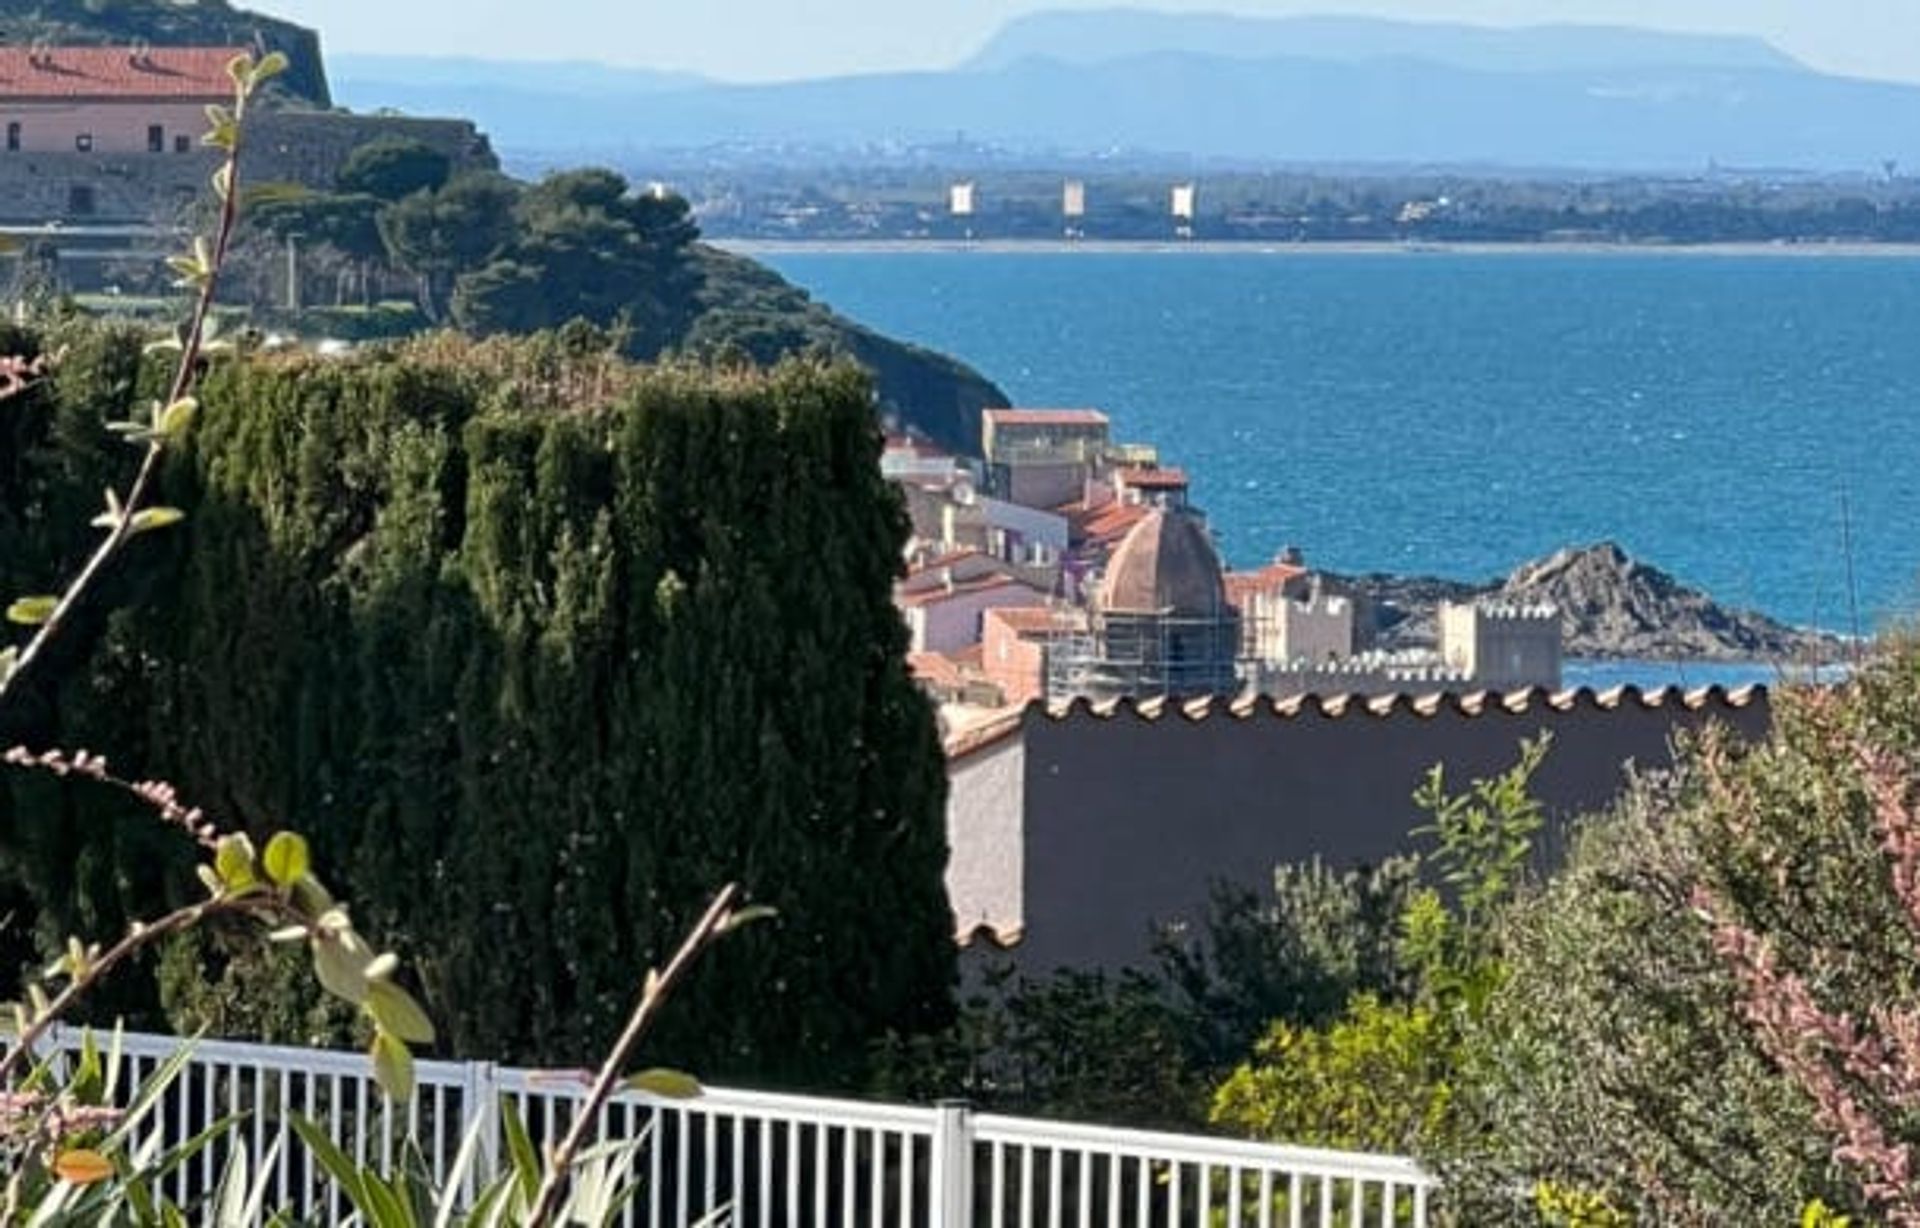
[(1129, 820)]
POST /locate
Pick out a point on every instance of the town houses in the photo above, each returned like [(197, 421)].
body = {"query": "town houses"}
[(1063, 564)]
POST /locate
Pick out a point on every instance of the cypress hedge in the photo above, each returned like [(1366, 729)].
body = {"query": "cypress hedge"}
[(538, 649)]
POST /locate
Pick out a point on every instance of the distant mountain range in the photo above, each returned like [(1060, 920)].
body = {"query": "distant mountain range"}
[(1285, 90)]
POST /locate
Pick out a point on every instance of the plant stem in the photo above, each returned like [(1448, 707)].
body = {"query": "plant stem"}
[(141, 936), (547, 1202), (183, 377)]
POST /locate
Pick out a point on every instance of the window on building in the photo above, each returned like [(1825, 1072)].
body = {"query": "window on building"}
[(183, 143), (156, 138), (84, 142), (80, 200), (13, 138)]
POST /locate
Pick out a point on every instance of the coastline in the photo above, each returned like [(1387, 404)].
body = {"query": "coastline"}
[(1256, 247)]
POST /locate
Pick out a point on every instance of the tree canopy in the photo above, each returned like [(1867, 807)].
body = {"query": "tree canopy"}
[(532, 680)]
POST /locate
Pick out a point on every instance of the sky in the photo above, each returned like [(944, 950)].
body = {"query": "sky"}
[(761, 40)]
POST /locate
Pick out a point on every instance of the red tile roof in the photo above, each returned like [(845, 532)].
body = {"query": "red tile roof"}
[(1242, 585), (195, 73), (1045, 417)]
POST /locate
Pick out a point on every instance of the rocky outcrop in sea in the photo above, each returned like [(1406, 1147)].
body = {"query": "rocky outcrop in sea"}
[(1614, 606)]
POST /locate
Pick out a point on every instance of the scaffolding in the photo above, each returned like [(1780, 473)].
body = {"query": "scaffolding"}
[(1115, 655)]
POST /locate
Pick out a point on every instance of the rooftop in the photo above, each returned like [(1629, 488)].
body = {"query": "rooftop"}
[(1166, 564), (195, 73), (995, 727), (1045, 417), (934, 596)]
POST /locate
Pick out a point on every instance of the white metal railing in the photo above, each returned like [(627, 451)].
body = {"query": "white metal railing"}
[(758, 1159)]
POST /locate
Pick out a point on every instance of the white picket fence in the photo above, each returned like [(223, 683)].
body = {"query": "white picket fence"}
[(761, 1160)]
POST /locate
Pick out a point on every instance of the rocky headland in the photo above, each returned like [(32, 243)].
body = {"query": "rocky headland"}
[(1614, 607)]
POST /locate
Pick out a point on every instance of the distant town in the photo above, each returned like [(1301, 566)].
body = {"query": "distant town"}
[(1064, 564)]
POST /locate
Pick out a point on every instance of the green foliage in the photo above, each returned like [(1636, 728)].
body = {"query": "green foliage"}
[(1385, 1074), (80, 1150), (414, 612), (347, 222), (590, 249), (1145, 1048), (1377, 1079), (1298, 957), (390, 168), (442, 233), (1618, 1056), (1079, 1045)]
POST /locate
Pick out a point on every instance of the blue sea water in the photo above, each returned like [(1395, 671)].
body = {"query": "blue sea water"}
[(1454, 414)]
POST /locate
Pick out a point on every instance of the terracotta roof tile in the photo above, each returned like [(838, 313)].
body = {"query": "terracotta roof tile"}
[(116, 72), (1383, 707), (1045, 417)]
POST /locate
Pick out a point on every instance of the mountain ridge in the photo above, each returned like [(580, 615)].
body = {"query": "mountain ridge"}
[(1658, 110), (1088, 36)]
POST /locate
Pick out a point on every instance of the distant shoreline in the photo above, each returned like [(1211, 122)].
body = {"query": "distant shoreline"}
[(1253, 247)]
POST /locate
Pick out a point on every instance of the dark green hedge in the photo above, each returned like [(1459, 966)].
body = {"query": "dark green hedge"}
[(534, 680)]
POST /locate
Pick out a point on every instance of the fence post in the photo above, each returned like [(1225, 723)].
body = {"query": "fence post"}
[(952, 1177), (480, 1110)]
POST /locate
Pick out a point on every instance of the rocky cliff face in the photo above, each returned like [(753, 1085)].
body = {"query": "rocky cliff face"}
[(1613, 605)]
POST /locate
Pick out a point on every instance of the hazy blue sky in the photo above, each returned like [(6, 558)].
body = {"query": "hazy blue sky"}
[(770, 39)]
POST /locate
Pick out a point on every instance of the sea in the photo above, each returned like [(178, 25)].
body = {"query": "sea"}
[(1747, 422)]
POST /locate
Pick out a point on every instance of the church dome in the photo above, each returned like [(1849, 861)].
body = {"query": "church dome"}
[(1165, 565)]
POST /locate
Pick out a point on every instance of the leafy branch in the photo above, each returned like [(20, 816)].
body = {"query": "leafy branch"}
[(199, 270), (275, 887)]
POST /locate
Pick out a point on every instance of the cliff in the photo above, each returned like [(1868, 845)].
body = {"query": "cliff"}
[(1613, 606), (165, 23)]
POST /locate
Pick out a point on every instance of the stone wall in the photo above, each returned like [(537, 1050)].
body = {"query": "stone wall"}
[(153, 189), (1127, 820)]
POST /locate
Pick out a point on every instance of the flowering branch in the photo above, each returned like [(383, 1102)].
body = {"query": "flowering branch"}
[(1857, 1077)]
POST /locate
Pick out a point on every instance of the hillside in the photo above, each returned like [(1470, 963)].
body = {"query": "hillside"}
[(749, 306), (167, 23)]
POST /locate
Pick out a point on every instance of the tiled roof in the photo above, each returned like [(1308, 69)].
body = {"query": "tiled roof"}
[(934, 596), (1107, 524), (935, 669), (1045, 417), (1355, 707), (987, 934), (984, 730), (1243, 584), (116, 72)]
